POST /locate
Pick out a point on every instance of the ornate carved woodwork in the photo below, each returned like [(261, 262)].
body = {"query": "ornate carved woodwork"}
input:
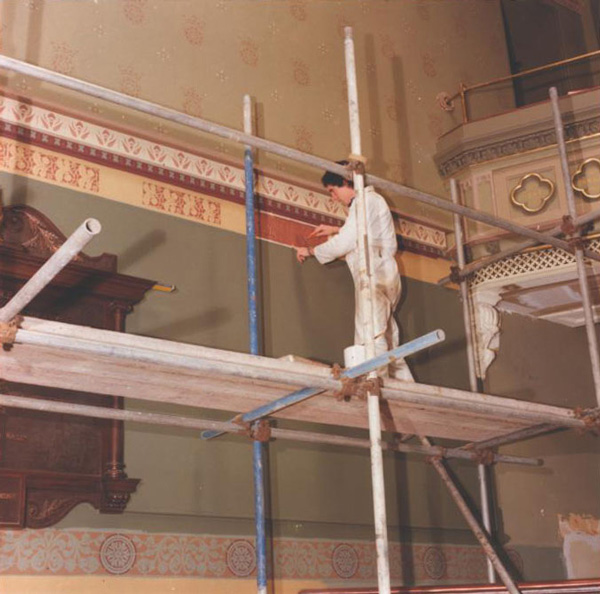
[(49, 463)]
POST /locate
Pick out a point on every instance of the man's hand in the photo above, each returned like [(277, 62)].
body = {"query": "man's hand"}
[(302, 253), (324, 231)]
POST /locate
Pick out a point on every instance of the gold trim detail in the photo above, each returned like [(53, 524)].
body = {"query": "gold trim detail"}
[(520, 187), (581, 173), (464, 89)]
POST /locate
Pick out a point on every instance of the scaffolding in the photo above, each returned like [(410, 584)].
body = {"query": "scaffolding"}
[(129, 366)]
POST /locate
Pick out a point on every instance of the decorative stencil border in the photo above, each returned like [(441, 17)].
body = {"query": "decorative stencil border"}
[(98, 144), (89, 552)]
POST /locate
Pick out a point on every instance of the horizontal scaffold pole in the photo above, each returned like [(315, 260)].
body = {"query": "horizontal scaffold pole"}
[(122, 346), (405, 350), (272, 147), (473, 267), (99, 412), (453, 399), (512, 437)]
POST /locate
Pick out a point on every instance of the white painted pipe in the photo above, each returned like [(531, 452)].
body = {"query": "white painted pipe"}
[(464, 290), (67, 251), (581, 272), (366, 295), (484, 496)]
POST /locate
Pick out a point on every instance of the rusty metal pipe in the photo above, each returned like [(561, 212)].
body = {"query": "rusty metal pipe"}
[(99, 412), (473, 267), (478, 531), (513, 437)]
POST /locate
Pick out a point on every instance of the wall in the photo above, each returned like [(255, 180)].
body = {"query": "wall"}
[(291, 306), (581, 544), (195, 58), (309, 485), (201, 59), (544, 362), (560, 31)]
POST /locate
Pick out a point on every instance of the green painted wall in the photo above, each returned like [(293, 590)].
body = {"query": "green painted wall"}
[(190, 486), (544, 362), (308, 310)]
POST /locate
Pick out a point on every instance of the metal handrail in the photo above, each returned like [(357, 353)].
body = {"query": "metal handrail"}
[(464, 89)]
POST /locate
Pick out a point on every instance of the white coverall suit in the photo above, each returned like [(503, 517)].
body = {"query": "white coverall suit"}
[(383, 244)]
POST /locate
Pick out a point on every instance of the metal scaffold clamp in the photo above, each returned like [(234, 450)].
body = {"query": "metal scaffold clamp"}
[(572, 233), (360, 386), (567, 225), (8, 331), (591, 419), (357, 163), (259, 430), (455, 275), (437, 457), (485, 456)]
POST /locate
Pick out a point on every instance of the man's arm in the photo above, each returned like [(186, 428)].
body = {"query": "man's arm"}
[(338, 245), (324, 231)]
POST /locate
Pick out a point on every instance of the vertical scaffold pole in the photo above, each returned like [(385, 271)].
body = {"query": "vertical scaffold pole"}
[(366, 305), (581, 272), (466, 306), (250, 232), (257, 446)]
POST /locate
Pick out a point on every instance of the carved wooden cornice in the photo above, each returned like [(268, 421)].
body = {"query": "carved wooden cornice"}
[(27, 229)]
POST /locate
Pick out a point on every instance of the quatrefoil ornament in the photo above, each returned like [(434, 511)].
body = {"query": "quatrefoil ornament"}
[(586, 179), (532, 192)]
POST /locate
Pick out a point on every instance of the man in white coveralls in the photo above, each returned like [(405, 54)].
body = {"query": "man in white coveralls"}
[(342, 243)]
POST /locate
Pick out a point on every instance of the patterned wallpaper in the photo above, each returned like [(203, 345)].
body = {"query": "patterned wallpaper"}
[(201, 57)]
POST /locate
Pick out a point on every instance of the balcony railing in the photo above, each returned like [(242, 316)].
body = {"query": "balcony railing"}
[(465, 91)]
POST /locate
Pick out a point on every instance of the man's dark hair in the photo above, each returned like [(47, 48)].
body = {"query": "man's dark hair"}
[(335, 179)]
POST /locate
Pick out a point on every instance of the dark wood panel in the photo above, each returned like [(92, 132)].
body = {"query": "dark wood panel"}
[(49, 463)]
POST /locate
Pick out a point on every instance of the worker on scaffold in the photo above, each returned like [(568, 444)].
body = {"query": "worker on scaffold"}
[(342, 243)]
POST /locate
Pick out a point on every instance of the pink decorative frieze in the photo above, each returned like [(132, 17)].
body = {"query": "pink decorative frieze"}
[(345, 561), (434, 563), (117, 554), (92, 552), (241, 558), (159, 197), (46, 166), (74, 137)]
